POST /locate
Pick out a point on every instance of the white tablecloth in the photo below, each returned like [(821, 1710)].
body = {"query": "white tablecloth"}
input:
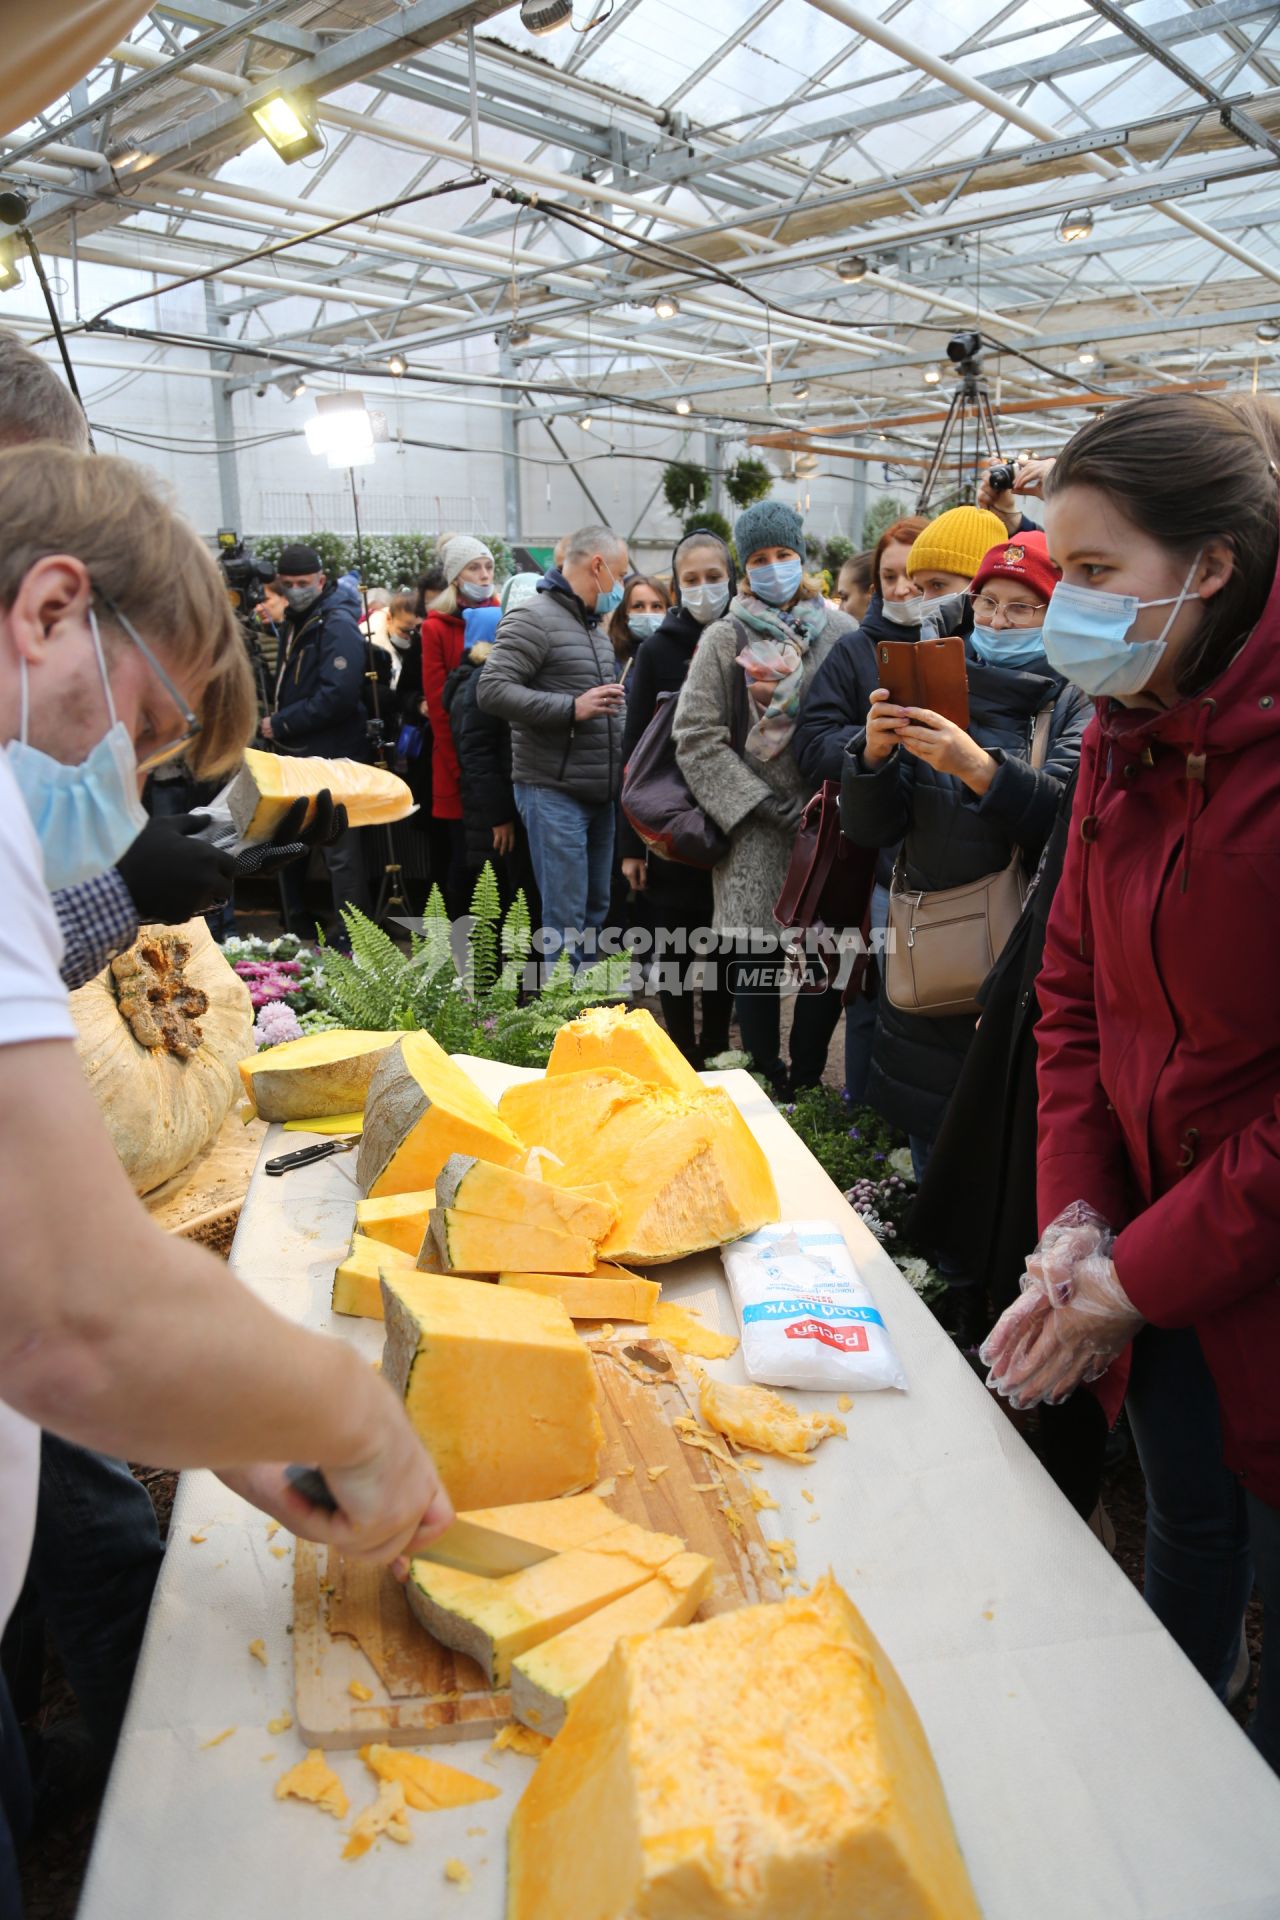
[(1089, 1771)]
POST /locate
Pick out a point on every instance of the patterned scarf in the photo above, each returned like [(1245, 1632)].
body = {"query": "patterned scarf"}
[(773, 661)]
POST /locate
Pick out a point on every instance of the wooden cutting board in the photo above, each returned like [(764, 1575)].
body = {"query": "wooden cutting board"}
[(352, 1622)]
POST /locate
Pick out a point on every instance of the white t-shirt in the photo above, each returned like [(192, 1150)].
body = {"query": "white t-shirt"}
[(33, 1006)]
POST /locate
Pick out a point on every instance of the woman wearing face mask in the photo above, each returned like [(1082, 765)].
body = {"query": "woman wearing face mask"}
[(1159, 1042), (645, 603), (468, 569), (960, 801), (679, 899), (733, 732)]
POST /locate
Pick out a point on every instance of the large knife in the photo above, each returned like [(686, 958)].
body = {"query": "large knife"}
[(465, 1545)]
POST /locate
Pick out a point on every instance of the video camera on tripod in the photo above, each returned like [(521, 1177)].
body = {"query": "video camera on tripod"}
[(245, 577), (964, 350)]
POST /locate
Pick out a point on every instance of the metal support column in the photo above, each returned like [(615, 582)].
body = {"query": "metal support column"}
[(510, 456), (223, 422), (712, 449)]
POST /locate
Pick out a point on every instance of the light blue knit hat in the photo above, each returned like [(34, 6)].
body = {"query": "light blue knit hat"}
[(770, 523)]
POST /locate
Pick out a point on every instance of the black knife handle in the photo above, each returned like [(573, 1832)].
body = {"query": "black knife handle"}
[(312, 1485), (319, 1150)]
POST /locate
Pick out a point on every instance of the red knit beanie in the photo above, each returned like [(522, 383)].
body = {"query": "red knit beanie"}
[(1024, 558)]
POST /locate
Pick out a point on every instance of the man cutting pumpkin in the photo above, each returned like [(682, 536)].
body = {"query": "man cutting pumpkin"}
[(111, 1332)]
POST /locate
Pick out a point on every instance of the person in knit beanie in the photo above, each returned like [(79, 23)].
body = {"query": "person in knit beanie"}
[(467, 565), (949, 552)]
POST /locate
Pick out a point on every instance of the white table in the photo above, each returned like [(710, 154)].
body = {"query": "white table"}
[(1089, 1771)]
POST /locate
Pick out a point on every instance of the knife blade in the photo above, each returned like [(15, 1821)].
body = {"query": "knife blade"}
[(466, 1546)]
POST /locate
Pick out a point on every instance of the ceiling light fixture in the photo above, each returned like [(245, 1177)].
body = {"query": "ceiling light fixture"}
[(801, 390), (1088, 356), (545, 16), (1075, 226), (586, 421), (852, 267), (10, 271), (518, 335), (666, 306), (1268, 331), (398, 364), (289, 123), (932, 375), (683, 405)]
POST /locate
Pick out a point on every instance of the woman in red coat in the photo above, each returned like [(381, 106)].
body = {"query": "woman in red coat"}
[(1159, 1042), (467, 565)]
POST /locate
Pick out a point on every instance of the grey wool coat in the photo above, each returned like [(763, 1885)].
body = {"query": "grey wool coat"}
[(729, 786), (547, 653)]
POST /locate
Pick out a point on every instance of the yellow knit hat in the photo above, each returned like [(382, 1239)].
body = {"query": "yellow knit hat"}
[(956, 542)]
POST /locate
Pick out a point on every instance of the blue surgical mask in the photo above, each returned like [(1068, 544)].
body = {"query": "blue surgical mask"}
[(610, 602), (643, 625), (1086, 636), (475, 591), (1008, 646), (707, 602), (85, 816), (777, 583)]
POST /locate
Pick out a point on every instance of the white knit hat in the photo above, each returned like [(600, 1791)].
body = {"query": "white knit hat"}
[(458, 552)]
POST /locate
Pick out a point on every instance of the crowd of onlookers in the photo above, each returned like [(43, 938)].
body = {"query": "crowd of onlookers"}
[(1043, 763)]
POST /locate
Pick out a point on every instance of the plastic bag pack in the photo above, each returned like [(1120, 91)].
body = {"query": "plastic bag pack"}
[(807, 1317)]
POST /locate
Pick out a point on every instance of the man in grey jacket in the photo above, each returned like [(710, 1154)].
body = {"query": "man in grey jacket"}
[(552, 676)]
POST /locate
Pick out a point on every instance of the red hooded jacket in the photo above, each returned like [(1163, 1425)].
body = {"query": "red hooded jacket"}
[(443, 639), (1159, 1042)]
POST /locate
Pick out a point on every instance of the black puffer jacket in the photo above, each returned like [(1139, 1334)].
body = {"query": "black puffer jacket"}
[(840, 696), (951, 836), (547, 653), (320, 681), (483, 747)]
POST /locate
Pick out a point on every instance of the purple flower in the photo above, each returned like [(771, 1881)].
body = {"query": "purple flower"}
[(855, 1133), (880, 1156)]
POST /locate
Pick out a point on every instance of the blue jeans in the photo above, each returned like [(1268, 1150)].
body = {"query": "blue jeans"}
[(571, 845), (94, 1562), (1206, 1538), (861, 1015)]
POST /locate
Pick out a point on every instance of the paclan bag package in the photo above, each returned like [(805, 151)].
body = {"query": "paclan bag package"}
[(807, 1318)]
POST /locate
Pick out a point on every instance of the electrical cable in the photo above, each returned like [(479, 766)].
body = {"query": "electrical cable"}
[(54, 321)]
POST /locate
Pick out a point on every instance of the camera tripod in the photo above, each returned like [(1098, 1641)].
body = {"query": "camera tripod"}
[(971, 395)]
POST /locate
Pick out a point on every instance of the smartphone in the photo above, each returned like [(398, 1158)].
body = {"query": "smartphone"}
[(926, 673)]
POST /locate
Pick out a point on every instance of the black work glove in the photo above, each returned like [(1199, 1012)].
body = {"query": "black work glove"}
[(171, 875), (785, 815), (291, 840)]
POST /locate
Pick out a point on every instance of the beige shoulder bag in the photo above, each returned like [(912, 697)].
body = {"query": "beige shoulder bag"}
[(943, 945)]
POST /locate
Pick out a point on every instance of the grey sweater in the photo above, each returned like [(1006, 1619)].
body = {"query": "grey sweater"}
[(545, 655), (728, 786)]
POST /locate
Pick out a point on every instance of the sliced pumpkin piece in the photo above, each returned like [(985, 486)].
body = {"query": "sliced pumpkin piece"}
[(268, 784), (757, 1417), (427, 1784), (314, 1779), (420, 1108), (687, 1172), (629, 1038), (399, 1220), (608, 1293), (497, 1384), (494, 1620), (471, 1243), (684, 1331), (320, 1074), (356, 1286), (468, 1185), (545, 1679), (767, 1761)]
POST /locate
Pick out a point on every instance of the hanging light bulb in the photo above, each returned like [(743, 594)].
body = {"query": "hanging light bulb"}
[(683, 405), (852, 267), (932, 375), (1075, 226), (518, 335), (585, 421), (801, 390), (397, 364), (1088, 356), (666, 306)]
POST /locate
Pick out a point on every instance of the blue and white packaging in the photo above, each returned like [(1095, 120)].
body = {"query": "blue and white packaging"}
[(807, 1318)]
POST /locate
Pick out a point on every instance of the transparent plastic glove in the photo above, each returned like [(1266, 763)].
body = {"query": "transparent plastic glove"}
[(1073, 1319)]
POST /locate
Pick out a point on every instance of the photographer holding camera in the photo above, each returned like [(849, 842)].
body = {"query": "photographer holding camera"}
[(1002, 484), (320, 708)]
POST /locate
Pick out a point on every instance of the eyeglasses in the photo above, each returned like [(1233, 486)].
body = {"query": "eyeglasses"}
[(984, 606), (191, 720)]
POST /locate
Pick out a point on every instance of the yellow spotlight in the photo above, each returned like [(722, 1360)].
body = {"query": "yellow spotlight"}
[(289, 124)]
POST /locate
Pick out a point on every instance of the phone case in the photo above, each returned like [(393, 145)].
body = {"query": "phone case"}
[(927, 673)]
